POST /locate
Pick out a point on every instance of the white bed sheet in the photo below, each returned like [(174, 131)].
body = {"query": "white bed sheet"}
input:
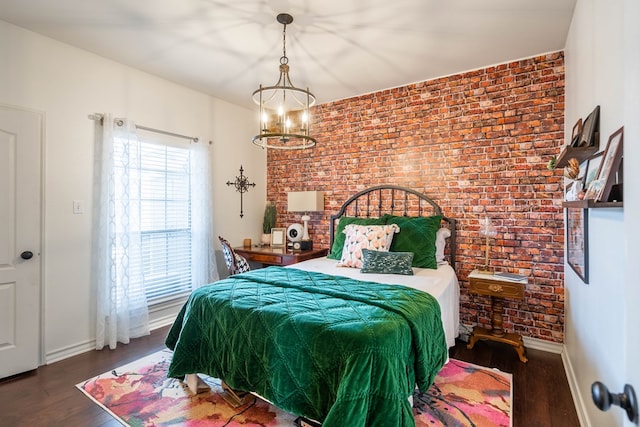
[(441, 283)]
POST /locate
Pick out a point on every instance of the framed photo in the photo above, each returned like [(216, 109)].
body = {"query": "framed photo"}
[(589, 128), (578, 241), (278, 237), (583, 172), (594, 191), (593, 166), (610, 164), (575, 133)]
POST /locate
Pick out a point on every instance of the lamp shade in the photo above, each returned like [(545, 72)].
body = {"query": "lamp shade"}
[(305, 201), (487, 228)]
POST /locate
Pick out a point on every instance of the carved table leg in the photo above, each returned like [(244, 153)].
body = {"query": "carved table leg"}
[(496, 318), (474, 339), (520, 350)]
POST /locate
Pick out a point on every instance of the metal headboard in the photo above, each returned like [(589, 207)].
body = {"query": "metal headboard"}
[(391, 199)]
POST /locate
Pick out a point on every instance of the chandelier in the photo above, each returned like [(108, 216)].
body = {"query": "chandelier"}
[(284, 108)]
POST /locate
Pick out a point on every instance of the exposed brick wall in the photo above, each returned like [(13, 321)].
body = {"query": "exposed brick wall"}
[(475, 140)]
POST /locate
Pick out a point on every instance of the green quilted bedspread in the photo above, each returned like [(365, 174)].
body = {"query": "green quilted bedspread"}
[(341, 351)]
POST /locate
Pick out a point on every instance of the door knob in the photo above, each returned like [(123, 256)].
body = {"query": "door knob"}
[(26, 255), (626, 400)]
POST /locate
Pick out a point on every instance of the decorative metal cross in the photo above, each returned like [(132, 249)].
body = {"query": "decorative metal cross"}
[(242, 185)]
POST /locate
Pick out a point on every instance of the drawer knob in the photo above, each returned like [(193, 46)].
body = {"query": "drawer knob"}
[(496, 288)]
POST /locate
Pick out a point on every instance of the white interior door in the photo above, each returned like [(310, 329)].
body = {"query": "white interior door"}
[(632, 195), (20, 239)]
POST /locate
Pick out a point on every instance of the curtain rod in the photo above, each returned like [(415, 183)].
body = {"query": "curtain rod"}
[(163, 132)]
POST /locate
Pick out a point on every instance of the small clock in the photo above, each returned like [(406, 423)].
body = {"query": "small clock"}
[(302, 245)]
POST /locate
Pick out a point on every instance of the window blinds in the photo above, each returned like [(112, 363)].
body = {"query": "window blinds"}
[(165, 212)]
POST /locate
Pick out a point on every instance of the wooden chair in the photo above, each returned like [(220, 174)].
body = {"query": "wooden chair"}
[(235, 263)]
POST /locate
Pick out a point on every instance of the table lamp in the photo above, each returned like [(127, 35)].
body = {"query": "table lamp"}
[(487, 230)]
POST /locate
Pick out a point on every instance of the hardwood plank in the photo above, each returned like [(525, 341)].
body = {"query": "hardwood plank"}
[(541, 393), (48, 395)]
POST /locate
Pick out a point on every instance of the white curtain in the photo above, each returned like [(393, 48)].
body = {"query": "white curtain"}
[(122, 311), (203, 263)]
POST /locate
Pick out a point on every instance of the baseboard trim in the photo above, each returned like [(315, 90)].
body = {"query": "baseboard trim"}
[(538, 344), (161, 322), (89, 345), (69, 351), (578, 400)]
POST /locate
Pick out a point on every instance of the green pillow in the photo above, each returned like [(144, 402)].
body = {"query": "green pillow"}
[(417, 235), (387, 262), (339, 237)]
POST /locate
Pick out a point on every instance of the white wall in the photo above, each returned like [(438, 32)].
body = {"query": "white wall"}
[(67, 84), (230, 154), (597, 66)]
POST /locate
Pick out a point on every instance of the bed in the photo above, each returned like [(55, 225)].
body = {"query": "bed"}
[(325, 342), (441, 283)]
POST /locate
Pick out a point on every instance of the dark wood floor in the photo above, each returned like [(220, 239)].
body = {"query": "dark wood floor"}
[(48, 397), (541, 394)]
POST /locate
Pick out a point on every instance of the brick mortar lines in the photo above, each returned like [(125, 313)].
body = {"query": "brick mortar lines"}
[(472, 140)]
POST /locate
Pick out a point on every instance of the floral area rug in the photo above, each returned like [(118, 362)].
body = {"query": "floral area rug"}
[(140, 394)]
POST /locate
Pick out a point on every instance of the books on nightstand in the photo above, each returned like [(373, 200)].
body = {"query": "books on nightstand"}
[(510, 276)]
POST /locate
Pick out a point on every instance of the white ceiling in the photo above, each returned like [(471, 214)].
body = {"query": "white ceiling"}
[(338, 48)]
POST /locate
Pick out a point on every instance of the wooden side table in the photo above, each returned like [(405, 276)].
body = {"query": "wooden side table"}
[(498, 289), (278, 256)]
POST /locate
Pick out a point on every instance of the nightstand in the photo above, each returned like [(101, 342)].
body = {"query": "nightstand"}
[(278, 256), (498, 289)]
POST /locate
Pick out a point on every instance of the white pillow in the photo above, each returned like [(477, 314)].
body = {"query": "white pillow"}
[(359, 237), (441, 237)]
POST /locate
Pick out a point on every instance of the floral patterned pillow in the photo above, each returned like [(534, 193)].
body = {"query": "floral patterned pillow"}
[(359, 237)]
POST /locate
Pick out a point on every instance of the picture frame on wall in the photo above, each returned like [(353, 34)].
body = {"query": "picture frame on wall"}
[(590, 128), (578, 242), (610, 164), (576, 132), (594, 191), (593, 166)]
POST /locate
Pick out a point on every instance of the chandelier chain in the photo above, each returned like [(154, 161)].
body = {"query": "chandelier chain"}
[(284, 59)]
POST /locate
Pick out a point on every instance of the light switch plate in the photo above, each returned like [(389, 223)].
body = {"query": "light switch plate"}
[(78, 207)]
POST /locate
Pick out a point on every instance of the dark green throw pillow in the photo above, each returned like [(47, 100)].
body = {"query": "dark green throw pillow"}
[(387, 262), (417, 235), (338, 240)]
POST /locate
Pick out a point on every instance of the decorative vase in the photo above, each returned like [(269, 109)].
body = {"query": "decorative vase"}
[(574, 191), (266, 238)]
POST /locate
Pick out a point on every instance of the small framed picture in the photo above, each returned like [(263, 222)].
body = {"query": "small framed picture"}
[(589, 129), (278, 237), (593, 165), (575, 133), (610, 164), (594, 191)]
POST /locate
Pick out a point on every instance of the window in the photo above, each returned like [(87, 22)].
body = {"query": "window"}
[(165, 217), (152, 225)]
